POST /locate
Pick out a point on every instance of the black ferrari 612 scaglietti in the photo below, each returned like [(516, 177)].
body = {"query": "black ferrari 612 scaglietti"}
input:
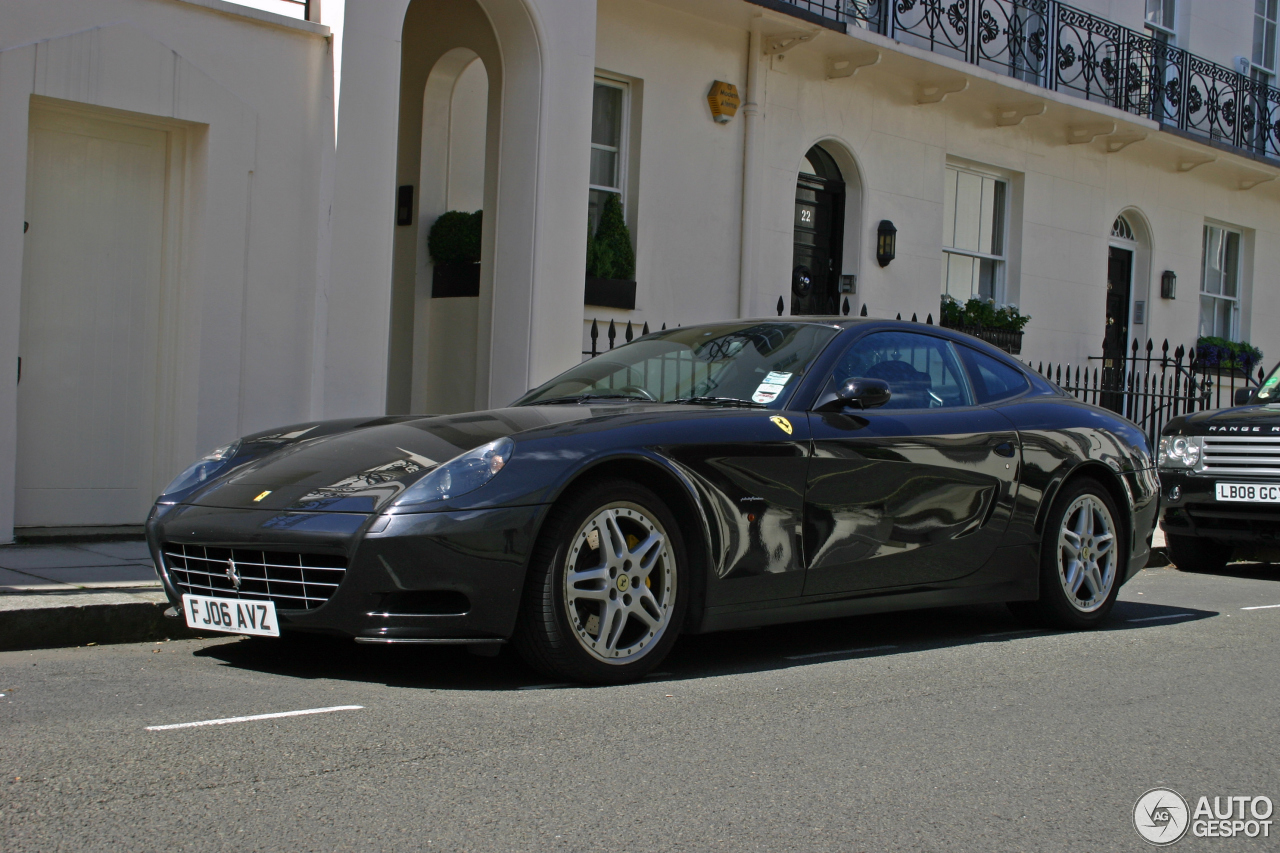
[(702, 478)]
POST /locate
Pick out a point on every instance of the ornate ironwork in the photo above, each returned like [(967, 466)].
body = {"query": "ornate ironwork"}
[(1065, 49)]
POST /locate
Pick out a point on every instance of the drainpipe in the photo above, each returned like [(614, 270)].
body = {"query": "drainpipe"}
[(751, 129)]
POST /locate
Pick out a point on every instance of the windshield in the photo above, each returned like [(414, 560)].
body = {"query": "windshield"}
[(1268, 391), (757, 364)]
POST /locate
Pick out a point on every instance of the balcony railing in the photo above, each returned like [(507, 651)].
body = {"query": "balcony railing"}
[(1059, 47)]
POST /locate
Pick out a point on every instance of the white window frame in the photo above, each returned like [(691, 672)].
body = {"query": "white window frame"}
[(1002, 260), (1162, 27), (624, 136), (1259, 69), (1238, 299)]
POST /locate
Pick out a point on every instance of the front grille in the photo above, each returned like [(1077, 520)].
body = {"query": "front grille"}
[(1241, 455), (293, 581)]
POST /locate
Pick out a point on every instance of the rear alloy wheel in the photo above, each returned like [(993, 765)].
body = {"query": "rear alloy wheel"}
[(1081, 560), (1193, 554), (605, 597)]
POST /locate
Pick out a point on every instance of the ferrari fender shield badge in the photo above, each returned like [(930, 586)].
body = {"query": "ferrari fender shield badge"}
[(782, 423)]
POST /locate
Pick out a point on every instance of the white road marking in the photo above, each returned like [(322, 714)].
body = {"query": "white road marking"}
[(1261, 607), (226, 720), (841, 652), (1154, 618)]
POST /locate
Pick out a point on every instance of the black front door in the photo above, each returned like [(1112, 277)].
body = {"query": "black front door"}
[(1119, 275), (819, 235), (916, 492), (1115, 341)]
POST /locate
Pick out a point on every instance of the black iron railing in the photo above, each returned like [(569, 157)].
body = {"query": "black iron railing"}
[(1150, 387), (1064, 49)]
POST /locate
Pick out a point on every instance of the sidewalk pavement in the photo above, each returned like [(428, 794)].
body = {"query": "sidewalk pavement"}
[(76, 594), (107, 592)]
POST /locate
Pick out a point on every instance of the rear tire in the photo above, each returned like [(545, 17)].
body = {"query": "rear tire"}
[(607, 587), (1082, 560), (1193, 554)]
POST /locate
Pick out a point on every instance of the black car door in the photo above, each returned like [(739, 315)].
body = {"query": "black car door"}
[(913, 493)]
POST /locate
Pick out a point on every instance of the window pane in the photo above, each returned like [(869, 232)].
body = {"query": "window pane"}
[(968, 211), (1231, 265), (987, 272), (922, 371), (1211, 281), (1206, 315), (606, 116), (604, 168), (960, 276), (949, 209), (992, 380), (1270, 56)]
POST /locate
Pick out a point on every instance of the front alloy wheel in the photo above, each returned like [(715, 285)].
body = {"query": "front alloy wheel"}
[(605, 594), (619, 583)]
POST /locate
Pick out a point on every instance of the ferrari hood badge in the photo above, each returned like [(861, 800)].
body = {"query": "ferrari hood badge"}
[(261, 496), (782, 423)]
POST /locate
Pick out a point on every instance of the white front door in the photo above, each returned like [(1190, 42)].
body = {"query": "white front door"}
[(91, 276)]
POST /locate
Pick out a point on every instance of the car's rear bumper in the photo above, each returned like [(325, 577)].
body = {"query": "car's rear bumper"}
[(1193, 510), (425, 576)]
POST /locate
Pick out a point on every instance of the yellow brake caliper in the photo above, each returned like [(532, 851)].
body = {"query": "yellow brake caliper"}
[(633, 541)]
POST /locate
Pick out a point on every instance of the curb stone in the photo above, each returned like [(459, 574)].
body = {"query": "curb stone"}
[(78, 620)]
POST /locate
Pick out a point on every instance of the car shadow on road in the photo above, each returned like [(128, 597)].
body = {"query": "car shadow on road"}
[(1246, 570), (703, 656)]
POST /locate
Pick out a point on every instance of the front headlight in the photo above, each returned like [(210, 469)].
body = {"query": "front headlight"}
[(460, 475), (205, 469), (1179, 451)]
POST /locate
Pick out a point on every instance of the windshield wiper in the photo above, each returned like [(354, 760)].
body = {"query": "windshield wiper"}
[(719, 401), (582, 398)]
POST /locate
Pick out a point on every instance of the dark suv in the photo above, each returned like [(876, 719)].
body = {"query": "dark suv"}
[(1220, 481)]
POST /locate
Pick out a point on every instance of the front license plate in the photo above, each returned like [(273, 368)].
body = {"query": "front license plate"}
[(235, 616), (1249, 492)]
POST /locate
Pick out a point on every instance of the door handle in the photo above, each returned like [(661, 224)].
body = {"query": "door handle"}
[(1005, 449)]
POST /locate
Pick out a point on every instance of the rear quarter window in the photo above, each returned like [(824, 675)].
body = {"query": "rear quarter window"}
[(993, 380)]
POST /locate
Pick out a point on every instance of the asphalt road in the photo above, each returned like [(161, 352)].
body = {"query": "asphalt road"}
[(936, 730)]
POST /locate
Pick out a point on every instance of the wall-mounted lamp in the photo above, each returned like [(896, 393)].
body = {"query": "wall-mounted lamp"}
[(1168, 284), (886, 242), (404, 205)]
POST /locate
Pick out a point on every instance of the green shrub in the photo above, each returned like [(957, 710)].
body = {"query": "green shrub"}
[(982, 312), (1220, 352), (454, 238), (609, 252)]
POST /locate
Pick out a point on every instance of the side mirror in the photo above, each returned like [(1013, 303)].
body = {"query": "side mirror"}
[(1243, 395), (862, 393)]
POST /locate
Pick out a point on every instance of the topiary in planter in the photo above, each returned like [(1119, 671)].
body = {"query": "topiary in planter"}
[(609, 252), (454, 238)]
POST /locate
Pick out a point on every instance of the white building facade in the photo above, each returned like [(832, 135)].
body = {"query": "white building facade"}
[(1108, 166)]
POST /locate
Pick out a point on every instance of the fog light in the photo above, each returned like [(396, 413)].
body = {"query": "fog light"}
[(1175, 494)]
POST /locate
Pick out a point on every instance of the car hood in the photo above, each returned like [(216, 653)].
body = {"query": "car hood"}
[(362, 470), (1251, 420)]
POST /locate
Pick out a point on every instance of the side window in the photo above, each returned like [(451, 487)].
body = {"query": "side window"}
[(922, 371), (992, 380)]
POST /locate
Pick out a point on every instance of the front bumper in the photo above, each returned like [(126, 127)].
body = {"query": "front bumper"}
[(425, 576), (1190, 508)]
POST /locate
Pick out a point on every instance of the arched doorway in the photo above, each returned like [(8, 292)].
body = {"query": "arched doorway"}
[(817, 254), (1122, 248)]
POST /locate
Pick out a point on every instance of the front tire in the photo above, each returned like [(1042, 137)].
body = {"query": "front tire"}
[(1081, 560), (1193, 554), (607, 586)]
